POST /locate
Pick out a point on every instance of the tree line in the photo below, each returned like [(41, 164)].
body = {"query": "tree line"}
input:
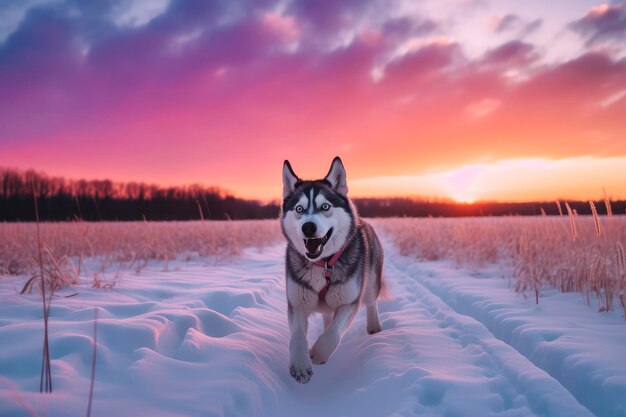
[(60, 199)]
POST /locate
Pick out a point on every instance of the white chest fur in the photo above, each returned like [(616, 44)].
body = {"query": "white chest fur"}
[(339, 293)]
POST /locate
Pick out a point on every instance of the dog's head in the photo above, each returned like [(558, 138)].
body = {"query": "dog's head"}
[(317, 216)]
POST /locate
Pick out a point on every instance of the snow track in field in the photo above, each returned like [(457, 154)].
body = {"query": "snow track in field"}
[(211, 339), (563, 336)]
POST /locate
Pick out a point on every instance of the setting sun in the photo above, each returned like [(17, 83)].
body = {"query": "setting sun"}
[(514, 180), (461, 184)]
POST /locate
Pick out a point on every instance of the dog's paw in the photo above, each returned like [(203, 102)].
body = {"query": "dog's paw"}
[(301, 372), (301, 375), (324, 347)]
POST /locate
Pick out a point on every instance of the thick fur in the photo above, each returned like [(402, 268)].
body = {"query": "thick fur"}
[(356, 277)]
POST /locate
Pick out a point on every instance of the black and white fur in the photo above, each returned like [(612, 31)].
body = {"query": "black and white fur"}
[(318, 219)]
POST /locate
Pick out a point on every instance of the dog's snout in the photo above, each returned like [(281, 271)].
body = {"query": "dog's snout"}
[(309, 229)]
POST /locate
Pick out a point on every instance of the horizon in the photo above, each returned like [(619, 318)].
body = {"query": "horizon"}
[(603, 197), (466, 100)]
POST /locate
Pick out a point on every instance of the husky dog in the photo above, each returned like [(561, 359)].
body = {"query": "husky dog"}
[(334, 263)]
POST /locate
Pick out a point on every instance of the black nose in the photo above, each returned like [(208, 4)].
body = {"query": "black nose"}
[(309, 229)]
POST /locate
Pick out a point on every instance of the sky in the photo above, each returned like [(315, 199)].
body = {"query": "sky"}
[(462, 99)]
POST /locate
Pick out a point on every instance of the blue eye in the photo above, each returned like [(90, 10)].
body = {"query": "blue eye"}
[(325, 206), (299, 209)]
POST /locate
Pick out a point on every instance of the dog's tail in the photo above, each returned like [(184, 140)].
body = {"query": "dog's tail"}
[(385, 292)]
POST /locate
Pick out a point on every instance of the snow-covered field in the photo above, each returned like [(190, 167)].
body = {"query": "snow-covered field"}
[(209, 338)]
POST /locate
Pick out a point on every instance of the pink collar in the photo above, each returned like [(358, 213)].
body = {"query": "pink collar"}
[(328, 269)]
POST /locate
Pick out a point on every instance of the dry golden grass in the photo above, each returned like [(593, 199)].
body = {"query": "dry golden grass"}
[(572, 253), (65, 246)]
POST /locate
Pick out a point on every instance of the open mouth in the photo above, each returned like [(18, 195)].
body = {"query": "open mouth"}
[(315, 246)]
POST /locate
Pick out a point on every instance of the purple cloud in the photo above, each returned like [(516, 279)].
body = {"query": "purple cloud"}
[(514, 53), (329, 15), (404, 27), (604, 22)]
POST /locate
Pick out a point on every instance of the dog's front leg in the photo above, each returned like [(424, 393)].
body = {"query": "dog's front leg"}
[(299, 361), (330, 337)]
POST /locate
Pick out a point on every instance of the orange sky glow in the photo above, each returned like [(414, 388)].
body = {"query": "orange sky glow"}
[(463, 100)]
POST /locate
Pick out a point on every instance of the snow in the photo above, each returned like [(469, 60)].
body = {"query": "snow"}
[(210, 338)]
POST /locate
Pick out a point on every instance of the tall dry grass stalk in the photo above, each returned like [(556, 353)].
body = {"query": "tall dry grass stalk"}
[(621, 275), (45, 380), (200, 210), (596, 220), (93, 360), (529, 272), (572, 221), (607, 204), (558, 206)]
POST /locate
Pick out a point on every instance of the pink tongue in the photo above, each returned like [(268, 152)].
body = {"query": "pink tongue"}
[(312, 245)]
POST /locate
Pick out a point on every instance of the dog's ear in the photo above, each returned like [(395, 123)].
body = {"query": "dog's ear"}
[(337, 176), (289, 179)]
